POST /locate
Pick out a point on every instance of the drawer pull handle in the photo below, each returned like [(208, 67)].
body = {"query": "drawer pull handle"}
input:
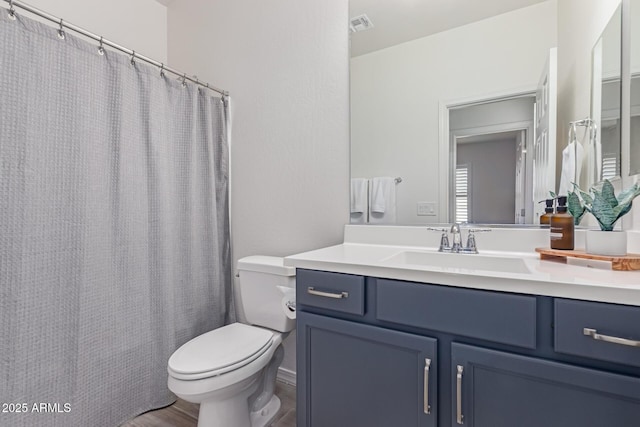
[(459, 416), (615, 340), (427, 407), (312, 291)]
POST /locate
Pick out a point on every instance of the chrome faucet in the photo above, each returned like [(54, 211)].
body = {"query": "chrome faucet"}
[(456, 237)]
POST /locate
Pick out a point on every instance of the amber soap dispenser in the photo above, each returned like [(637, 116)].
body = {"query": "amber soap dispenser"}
[(562, 227), (545, 219)]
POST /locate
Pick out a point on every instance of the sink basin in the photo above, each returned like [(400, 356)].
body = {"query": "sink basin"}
[(495, 263)]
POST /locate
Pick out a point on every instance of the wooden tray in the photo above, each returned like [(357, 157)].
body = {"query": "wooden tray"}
[(628, 262)]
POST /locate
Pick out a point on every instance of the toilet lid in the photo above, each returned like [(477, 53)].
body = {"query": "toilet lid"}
[(220, 349)]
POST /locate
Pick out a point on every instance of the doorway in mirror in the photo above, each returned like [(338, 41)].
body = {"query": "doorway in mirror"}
[(493, 171), (531, 114)]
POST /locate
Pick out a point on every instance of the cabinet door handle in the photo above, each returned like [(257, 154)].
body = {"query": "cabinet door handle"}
[(311, 290), (606, 338), (427, 365), (459, 416)]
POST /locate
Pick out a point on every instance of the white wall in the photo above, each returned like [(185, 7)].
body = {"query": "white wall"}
[(285, 63), (395, 94), (140, 25)]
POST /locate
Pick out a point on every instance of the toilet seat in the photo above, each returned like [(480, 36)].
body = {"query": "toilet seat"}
[(219, 351)]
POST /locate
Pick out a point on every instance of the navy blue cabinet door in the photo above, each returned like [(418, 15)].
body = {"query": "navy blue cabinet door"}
[(496, 389), (358, 375)]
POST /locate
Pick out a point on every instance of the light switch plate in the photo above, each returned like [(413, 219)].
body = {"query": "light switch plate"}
[(427, 209)]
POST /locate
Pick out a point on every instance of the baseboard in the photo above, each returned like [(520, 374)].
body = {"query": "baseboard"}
[(286, 376)]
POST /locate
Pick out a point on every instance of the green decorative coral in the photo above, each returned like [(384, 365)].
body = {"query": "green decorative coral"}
[(602, 202)]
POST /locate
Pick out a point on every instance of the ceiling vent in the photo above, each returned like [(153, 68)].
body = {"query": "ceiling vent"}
[(360, 23)]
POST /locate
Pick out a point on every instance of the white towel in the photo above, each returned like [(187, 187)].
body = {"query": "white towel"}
[(358, 218), (359, 195), (379, 193), (571, 168), (382, 208)]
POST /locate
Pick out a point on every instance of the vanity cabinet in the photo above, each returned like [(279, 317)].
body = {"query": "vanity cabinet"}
[(495, 389), (360, 375), (381, 352)]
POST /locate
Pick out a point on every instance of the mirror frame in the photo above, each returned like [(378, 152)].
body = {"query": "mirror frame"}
[(594, 171), (628, 172)]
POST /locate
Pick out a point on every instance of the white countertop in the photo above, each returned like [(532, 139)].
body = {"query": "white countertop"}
[(544, 277)]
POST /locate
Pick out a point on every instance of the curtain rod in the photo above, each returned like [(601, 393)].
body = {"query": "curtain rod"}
[(103, 41)]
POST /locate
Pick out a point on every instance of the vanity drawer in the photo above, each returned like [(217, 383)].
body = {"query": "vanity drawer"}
[(492, 316), (612, 331), (333, 291)]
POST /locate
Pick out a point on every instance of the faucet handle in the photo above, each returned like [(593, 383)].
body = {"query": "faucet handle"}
[(471, 239), (471, 243), (444, 238), (479, 230), (444, 242)]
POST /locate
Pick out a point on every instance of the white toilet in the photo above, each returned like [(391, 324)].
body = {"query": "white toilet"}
[(231, 371)]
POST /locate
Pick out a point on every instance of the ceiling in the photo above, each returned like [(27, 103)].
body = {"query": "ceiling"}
[(398, 21)]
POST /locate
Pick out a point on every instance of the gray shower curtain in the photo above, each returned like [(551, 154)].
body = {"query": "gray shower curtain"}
[(114, 228)]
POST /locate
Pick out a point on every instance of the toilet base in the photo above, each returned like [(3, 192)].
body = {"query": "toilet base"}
[(266, 415), (229, 412), (233, 412)]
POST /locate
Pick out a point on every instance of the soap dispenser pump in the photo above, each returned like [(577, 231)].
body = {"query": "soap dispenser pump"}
[(561, 227)]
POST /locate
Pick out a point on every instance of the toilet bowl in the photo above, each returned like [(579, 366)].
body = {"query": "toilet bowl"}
[(231, 371)]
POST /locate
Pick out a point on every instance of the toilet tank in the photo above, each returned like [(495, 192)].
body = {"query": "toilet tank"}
[(264, 282)]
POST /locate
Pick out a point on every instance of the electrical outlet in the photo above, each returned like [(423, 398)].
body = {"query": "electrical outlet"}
[(427, 209)]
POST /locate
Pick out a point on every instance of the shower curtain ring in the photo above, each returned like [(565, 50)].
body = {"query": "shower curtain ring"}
[(184, 80), (12, 10), (133, 58), (162, 70), (100, 48), (61, 34)]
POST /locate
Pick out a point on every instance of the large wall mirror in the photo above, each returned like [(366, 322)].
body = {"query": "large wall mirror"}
[(634, 21), (443, 110)]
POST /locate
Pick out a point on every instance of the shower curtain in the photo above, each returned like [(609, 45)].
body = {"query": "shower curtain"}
[(114, 228)]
